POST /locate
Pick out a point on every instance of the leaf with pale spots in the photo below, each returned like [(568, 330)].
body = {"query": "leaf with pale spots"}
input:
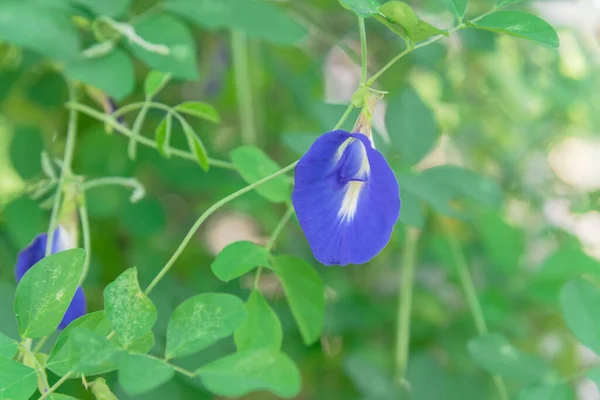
[(130, 312), (59, 361), (90, 352), (45, 292), (202, 320), (246, 371)]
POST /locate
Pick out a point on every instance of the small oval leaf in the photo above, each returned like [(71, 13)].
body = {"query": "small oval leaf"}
[(200, 110), (201, 321), (237, 259)]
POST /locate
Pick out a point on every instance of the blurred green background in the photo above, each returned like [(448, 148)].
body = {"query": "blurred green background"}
[(510, 185)]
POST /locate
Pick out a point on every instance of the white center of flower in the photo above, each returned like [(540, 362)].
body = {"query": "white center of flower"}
[(353, 173)]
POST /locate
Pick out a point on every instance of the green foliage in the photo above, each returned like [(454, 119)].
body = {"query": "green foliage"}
[(17, 382), (155, 82), (237, 259), (97, 323), (130, 312), (200, 110), (111, 8), (579, 301), (162, 135), (196, 146), (305, 292), (504, 243), (261, 328), (246, 371), (363, 8), (8, 347), (201, 321), (258, 19), (54, 36), (140, 374), (494, 352), (46, 291), (255, 165), (547, 392), (165, 30), (100, 72), (90, 352), (458, 7), (412, 126), (519, 24)]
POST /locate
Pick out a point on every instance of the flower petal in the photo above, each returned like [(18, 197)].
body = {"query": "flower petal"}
[(33, 253), (346, 198), (77, 308)]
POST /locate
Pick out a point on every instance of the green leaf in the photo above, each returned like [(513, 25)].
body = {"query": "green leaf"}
[(237, 259), (254, 165), (200, 110), (412, 209), (549, 391), (162, 29), (504, 244), (90, 352), (458, 7), (110, 8), (262, 328), (140, 374), (8, 347), (362, 8), (155, 82), (594, 376), (54, 35), (422, 188), (400, 13), (504, 3), (519, 24), (58, 396), (196, 146), (96, 322), (112, 73), (565, 264), (373, 382), (259, 19), (162, 135), (130, 312), (462, 183), (247, 371), (412, 126), (495, 353), (201, 321), (423, 31), (579, 301), (45, 292), (17, 382), (305, 292)]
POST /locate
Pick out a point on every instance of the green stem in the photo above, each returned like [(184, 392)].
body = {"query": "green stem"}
[(55, 386), (135, 131), (66, 168), (134, 106), (363, 49), (182, 371), (466, 281), (111, 121), (86, 236), (243, 85), (344, 117), (39, 344), (405, 302), (203, 218), (276, 232), (130, 183)]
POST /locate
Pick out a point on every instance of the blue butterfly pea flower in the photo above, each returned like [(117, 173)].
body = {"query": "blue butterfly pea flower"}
[(33, 253), (346, 198)]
